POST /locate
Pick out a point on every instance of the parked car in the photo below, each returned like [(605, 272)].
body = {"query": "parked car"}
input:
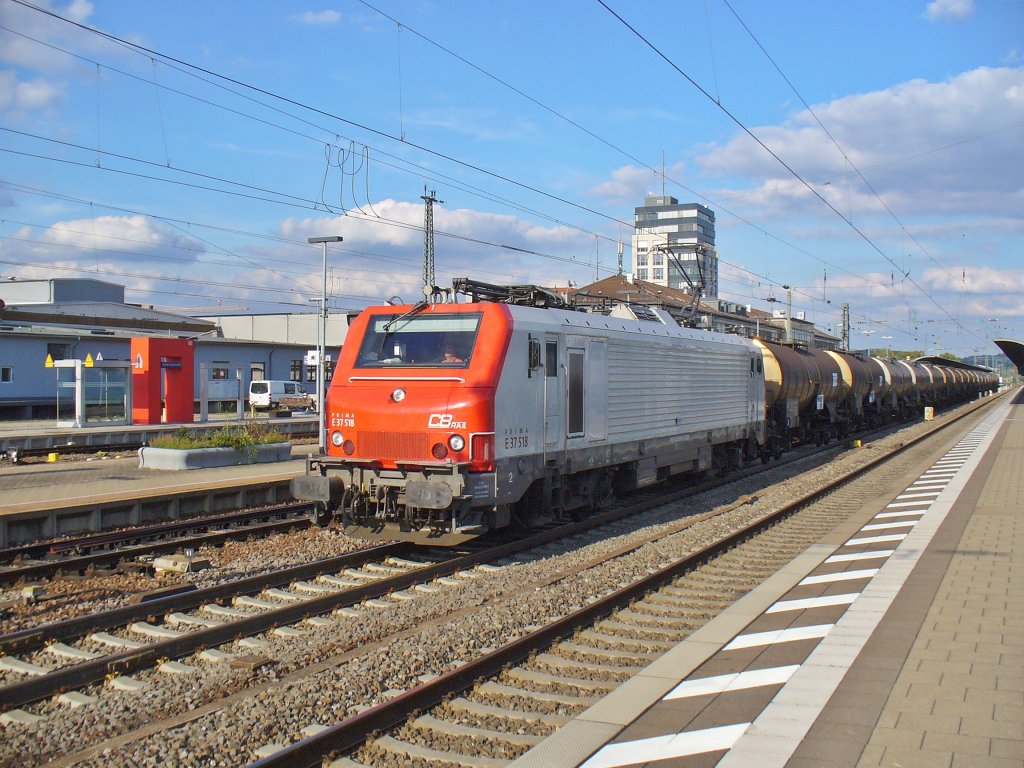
[(268, 393)]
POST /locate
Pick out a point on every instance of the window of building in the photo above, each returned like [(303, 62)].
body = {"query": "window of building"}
[(219, 370), (659, 274), (641, 274), (658, 260), (295, 370), (6, 374), (257, 372), (58, 351), (641, 261)]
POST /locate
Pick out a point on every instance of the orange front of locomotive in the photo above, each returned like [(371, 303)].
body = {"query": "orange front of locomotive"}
[(410, 423)]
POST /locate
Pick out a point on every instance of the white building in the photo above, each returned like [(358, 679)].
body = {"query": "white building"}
[(674, 245)]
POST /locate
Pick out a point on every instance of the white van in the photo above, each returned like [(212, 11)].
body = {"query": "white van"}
[(269, 393)]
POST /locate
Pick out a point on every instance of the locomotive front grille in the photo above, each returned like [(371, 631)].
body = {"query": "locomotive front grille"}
[(399, 446)]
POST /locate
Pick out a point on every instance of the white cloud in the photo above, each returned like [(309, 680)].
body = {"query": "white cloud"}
[(384, 256), (109, 239), (318, 17), (949, 10), (922, 146), (629, 184), (22, 51), (971, 278), (30, 95), (79, 10)]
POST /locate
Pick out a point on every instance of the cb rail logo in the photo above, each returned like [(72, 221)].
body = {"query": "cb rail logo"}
[(444, 421)]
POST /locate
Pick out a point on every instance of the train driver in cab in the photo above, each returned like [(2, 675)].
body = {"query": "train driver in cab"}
[(450, 355)]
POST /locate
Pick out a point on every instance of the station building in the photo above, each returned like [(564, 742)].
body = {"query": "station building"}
[(65, 319)]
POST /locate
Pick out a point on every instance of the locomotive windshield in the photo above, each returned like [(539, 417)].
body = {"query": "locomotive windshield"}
[(420, 341)]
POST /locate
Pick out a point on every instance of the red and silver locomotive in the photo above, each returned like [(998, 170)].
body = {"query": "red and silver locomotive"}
[(448, 420)]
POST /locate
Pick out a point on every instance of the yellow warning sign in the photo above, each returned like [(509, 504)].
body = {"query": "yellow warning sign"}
[(49, 361), (88, 361)]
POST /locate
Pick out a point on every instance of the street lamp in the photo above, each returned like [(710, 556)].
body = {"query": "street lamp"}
[(868, 335), (321, 338), (888, 346)]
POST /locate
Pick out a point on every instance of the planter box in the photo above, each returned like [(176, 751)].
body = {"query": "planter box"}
[(201, 458)]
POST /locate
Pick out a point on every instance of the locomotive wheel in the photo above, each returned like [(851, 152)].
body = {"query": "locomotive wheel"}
[(321, 515)]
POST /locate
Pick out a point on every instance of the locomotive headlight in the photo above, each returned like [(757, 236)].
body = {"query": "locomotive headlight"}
[(398, 395), (337, 439), (456, 442)]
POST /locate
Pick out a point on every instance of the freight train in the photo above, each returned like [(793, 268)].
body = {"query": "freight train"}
[(448, 420)]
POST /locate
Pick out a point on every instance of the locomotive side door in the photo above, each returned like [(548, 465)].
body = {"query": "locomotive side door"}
[(554, 394), (586, 403), (756, 392)]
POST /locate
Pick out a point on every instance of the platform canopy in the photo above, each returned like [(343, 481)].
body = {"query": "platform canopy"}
[(1013, 350), (949, 363)]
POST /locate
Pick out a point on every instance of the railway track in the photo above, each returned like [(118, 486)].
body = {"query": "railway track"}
[(63, 656), (48, 560), (387, 592), (495, 708)]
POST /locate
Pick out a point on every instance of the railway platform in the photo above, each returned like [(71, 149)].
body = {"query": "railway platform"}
[(40, 500), (48, 435), (901, 643)]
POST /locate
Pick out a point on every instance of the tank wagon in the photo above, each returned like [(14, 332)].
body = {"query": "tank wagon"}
[(447, 420)]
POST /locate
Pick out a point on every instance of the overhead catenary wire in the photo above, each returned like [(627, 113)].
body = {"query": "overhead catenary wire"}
[(585, 130), (398, 163), (352, 178), (175, 222), (833, 139), (773, 154), (189, 67), (316, 110), (188, 70)]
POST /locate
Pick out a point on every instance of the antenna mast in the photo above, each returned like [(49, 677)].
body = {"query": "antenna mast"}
[(428, 240)]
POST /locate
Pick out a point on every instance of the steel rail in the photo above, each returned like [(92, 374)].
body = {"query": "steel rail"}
[(30, 639), (90, 541), (352, 732), (79, 563)]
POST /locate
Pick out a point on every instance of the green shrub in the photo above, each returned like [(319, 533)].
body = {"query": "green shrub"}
[(240, 437)]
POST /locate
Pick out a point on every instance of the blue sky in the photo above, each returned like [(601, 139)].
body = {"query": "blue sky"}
[(190, 152)]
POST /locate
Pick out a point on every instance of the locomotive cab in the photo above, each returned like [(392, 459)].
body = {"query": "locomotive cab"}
[(410, 424)]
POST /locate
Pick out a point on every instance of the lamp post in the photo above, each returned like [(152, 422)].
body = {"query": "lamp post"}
[(321, 339), (888, 346), (867, 334)]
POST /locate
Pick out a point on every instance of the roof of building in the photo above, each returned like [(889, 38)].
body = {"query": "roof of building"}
[(1014, 350), (104, 314), (623, 288)]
